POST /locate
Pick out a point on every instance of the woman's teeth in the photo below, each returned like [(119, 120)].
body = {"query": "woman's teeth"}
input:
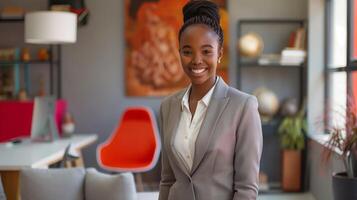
[(197, 71)]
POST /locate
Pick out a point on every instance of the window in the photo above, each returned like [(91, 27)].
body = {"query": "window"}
[(341, 58)]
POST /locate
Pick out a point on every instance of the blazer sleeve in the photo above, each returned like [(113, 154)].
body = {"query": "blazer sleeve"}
[(167, 175), (248, 152)]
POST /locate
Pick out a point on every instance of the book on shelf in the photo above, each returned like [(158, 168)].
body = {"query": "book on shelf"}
[(297, 39), (293, 52), (269, 59), (292, 56), (61, 7), (12, 12)]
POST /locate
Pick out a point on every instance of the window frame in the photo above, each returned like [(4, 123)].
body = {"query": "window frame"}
[(351, 62)]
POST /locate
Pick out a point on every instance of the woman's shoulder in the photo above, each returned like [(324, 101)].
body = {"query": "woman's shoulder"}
[(239, 99), (170, 97), (240, 96)]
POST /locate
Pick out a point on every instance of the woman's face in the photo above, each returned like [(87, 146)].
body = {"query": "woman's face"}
[(200, 53)]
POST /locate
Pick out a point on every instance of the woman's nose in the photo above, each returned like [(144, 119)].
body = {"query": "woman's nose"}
[(196, 60)]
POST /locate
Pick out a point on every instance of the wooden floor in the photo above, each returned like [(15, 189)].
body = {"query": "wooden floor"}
[(305, 196)]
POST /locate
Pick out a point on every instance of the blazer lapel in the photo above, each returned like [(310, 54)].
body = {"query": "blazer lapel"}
[(175, 116), (215, 108)]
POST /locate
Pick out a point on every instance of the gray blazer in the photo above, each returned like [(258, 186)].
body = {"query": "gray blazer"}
[(227, 152)]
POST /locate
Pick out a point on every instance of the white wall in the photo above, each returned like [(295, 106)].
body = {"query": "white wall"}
[(316, 65)]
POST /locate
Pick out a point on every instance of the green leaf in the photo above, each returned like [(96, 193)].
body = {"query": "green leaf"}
[(291, 131)]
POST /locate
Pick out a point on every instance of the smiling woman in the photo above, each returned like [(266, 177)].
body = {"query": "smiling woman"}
[(211, 133), (200, 53)]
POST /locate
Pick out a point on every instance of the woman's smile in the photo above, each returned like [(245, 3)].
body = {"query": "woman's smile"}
[(197, 71)]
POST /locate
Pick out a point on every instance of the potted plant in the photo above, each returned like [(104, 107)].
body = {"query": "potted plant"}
[(343, 141), (292, 138)]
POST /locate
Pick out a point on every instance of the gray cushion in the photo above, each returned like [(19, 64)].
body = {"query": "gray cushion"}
[(2, 193), (54, 184), (109, 187)]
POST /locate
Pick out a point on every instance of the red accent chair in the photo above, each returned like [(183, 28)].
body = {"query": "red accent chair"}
[(134, 145)]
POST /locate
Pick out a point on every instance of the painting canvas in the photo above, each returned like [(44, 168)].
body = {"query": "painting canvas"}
[(354, 33), (152, 63)]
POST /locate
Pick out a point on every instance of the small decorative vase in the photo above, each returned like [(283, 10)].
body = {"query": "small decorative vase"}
[(25, 55), (43, 54), (68, 125), (22, 95)]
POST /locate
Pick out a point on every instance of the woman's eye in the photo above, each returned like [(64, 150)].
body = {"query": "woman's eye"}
[(207, 52), (186, 52)]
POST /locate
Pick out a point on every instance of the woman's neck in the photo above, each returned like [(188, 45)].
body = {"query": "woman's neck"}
[(199, 91)]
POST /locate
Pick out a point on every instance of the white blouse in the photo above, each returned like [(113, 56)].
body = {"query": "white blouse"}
[(189, 128)]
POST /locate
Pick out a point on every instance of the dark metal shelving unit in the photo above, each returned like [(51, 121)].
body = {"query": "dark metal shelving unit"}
[(275, 65), (241, 63), (269, 128), (12, 20), (37, 62), (254, 63), (54, 60)]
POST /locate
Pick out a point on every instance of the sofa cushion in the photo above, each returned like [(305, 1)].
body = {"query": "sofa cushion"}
[(2, 193), (54, 184), (110, 187)]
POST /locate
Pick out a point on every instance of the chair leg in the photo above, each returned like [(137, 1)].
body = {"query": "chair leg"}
[(78, 162), (74, 162), (139, 182), (67, 164)]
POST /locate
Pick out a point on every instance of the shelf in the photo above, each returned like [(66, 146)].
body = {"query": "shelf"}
[(271, 191), (14, 20), (256, 64), (273, 122), (273, 188), (273, 21), (23, 63)]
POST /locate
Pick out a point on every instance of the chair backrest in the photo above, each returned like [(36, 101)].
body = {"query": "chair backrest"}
[(54, 184), (135, 143), (75, 184)]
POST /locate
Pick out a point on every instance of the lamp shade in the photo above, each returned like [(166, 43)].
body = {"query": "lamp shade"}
[(50, 27)]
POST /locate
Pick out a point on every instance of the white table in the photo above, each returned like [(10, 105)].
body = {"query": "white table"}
[(29, 154)]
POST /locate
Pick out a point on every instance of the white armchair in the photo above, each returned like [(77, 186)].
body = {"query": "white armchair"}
[(75, 184)]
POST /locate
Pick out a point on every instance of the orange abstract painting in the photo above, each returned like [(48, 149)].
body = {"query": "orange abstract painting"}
[(152, 63)]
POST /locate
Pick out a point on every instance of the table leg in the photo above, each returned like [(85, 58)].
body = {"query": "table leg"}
[(11, 184)]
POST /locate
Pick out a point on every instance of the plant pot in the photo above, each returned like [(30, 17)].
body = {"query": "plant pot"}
[(344, 188), (291, 170)]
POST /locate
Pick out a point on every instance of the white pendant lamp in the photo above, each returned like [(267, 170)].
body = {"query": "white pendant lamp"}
[(50, 27)]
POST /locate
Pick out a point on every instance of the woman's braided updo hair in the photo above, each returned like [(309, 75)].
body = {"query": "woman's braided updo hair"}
[(202, 12)]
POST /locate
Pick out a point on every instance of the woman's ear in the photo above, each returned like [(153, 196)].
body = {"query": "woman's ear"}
[(220, 54)]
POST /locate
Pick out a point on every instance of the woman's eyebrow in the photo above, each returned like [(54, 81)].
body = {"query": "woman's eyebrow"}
[(207, 45), (186, 46)]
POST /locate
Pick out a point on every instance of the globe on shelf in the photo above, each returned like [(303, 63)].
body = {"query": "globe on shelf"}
[(250, 45), (289, 107), (268, 103)]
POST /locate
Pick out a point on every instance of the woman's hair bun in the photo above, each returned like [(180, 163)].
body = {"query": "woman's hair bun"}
[(202, 12), (201, 8)]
